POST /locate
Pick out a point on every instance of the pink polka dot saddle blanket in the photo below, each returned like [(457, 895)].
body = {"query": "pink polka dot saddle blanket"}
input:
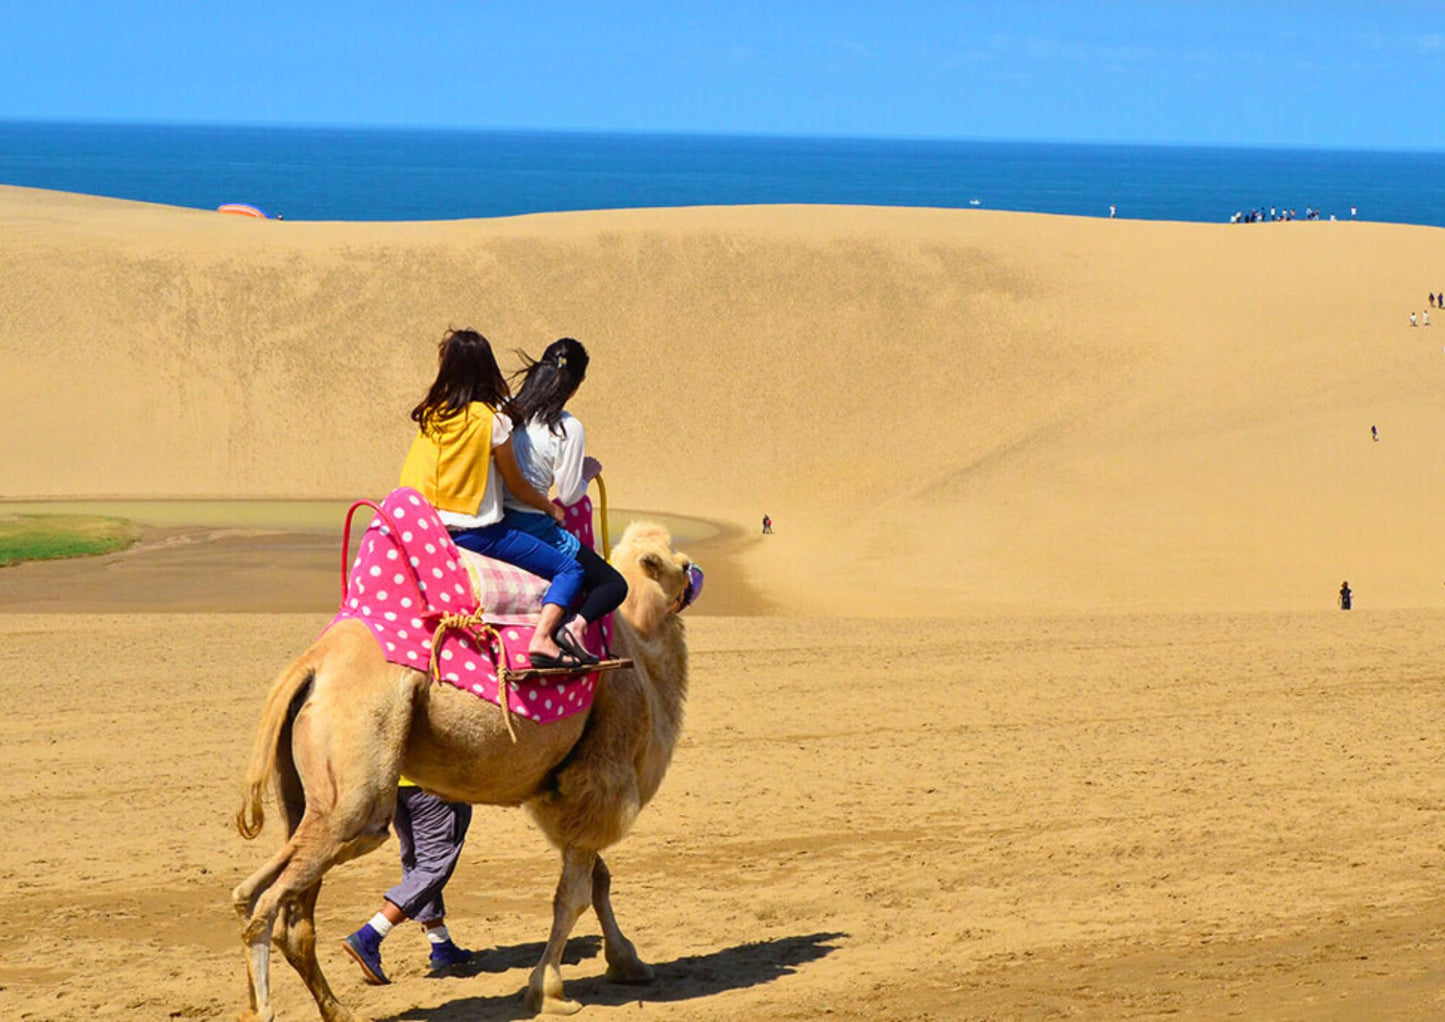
[(419, 595)]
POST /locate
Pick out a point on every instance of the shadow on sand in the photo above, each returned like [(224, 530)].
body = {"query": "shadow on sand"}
[(683, 979)]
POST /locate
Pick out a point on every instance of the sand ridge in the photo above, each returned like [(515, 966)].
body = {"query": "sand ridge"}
[(991, 410)]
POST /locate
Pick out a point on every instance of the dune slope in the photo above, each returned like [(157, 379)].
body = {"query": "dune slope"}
[(950, 411)]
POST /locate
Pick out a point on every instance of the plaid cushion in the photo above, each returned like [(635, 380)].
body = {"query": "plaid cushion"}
[(507, 594)]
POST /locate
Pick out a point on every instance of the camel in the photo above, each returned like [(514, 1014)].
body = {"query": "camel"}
[(341, 724)]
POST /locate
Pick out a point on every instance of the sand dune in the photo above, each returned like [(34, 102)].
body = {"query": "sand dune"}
[(1016, 807), (958, 410)]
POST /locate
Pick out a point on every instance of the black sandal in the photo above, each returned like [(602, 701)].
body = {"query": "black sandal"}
[(565, 662), (572, 647)]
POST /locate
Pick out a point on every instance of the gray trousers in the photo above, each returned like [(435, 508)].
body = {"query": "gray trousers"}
[(431, 832)]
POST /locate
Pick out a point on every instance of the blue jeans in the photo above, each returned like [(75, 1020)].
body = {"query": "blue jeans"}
[(542, 527), (529, 554)]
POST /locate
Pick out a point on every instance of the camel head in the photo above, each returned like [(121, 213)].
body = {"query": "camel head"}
[(660, 581)]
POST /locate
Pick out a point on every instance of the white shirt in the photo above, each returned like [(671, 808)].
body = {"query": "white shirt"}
[(489, 512), (548, 460)]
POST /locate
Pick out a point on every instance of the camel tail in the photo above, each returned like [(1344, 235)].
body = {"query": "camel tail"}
[(282, 704)]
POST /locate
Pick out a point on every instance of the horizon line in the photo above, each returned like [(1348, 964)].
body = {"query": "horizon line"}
[(7, 120)]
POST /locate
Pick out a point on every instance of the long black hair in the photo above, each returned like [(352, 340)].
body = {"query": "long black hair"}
[(548, 382), (467, 371)]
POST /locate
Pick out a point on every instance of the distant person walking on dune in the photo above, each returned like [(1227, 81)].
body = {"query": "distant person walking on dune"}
[(1412, 319), (1425, 318), (1112, 211), (1374, 434), (1346, 597), (1432, 299), (767, 525)]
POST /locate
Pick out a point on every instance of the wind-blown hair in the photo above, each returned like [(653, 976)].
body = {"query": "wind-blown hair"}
[(467, 371), (548, 382)]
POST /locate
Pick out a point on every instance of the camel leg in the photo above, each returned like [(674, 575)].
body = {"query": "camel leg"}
[(623, 965), (574, 892), (313, 849), (297, 940), (258, 975), (258, 951), (243, 897)]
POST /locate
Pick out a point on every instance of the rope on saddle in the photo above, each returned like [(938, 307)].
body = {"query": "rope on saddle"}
[(471, 624), (486, 637)]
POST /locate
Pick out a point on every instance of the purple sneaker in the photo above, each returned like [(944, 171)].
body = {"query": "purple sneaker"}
[(365, 946), (447, 956)]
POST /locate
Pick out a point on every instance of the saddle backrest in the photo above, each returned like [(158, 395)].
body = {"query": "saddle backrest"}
[(507, 594)]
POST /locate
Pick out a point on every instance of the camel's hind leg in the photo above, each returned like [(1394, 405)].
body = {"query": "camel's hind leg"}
[(574, 892), (623, 965), (297, 940), (317, 845), (243, 899), (331, 741)]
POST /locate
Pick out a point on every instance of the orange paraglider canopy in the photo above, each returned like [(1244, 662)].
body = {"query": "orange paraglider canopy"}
[(241, 209)]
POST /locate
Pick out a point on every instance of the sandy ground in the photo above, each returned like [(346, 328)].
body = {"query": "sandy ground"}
[(1036, 705), (1160, 816)]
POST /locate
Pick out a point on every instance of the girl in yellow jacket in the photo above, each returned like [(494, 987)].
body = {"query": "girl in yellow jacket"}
[(463, 444)]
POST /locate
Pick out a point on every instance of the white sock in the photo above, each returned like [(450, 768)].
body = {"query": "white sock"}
[(438, 935), (380, 924)]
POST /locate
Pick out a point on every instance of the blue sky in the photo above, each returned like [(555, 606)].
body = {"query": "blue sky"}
[(1223, 72)]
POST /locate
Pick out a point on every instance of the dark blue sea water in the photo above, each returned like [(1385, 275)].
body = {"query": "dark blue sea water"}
[(390, 174)]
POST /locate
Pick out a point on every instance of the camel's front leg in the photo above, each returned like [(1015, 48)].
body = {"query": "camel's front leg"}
[(574, 891), (623, 965)]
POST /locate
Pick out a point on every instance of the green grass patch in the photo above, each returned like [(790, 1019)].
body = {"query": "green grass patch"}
[(46, 537)]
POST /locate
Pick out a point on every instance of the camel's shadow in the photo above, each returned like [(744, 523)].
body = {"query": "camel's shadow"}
[(682, 979)]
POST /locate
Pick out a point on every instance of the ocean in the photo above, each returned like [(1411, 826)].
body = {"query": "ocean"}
[(404, 174)]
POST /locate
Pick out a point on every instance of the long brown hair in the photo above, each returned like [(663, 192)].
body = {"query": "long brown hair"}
[(467, 371), (549, 382)]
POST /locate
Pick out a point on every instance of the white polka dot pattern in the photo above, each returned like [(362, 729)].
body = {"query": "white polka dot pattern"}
[(404, 616)]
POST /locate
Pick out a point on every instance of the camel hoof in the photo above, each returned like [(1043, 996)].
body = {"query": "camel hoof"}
[(634, 971), (543, 1005)]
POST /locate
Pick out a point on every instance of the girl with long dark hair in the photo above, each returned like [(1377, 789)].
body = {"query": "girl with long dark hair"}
[(551, 452), (464, 431)]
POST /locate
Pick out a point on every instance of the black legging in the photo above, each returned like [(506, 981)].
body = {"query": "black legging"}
[(605, 589)]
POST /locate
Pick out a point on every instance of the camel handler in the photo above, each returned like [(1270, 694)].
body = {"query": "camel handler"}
[(431, 831)]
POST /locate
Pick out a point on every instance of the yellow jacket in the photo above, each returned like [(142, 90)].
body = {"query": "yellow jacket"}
[(448, 465)]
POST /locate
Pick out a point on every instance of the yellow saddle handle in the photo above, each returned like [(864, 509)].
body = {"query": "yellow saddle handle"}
[(602, 503)]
